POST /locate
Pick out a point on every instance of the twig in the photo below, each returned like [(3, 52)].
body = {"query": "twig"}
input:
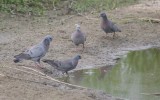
[(48, 77), (21, 70), (72, 85), (33, 70), (156, 94), (151, 20)]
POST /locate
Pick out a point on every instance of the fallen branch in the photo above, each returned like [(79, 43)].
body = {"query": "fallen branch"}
[(156, 94), (71, 85), (47, 77), (151, 20), (33, 70)]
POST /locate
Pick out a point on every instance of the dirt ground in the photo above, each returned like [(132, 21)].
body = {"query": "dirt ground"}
[(18, 33)]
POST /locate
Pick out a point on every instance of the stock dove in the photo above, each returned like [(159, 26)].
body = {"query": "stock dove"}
[(65, 65), (36, 52), (108, 26), (78, 37)]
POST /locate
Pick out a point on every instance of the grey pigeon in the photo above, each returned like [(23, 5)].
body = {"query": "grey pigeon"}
[(35, 53), (78, 37), (65, 65), (108, 26)]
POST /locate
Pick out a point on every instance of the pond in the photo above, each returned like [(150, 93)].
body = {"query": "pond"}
[(136, 76)]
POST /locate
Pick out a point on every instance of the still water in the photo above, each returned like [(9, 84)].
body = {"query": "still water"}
[(135, 77)]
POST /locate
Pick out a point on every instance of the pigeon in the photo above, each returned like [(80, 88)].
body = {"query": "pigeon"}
[(64, 66), (108, 26), (36, 52), (78, 37)]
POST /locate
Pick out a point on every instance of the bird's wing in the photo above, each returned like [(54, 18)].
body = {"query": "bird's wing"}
[(67, 63), (113, 26), (36, 51), (60, 65), (84, 35), (57, 63)]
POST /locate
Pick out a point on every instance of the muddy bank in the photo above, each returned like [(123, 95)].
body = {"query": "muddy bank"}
[(18, 33)]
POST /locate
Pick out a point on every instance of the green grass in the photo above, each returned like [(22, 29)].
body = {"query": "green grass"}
[(33, 7), (87, 5), (37, 7)]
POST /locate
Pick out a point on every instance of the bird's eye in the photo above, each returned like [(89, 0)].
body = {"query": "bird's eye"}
[(50, 39)]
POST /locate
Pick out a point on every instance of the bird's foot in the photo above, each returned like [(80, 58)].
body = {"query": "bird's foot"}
[(39, 66), (114, 36)]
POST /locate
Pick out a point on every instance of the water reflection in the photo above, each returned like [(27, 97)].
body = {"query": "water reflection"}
[(136, 73)]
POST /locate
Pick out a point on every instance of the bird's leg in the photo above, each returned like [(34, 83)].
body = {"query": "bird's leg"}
[(63, 72), (83, 46), (67, 73), (113, 35), (78, 48), (38, 65), (41, 65)]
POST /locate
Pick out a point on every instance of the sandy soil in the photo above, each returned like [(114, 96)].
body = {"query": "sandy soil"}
[(18, 33)]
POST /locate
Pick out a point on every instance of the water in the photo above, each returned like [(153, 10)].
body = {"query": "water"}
[(135, 77)]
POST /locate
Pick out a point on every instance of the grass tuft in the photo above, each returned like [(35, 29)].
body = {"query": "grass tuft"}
[(87, 5), (33, 7), (37, 7)]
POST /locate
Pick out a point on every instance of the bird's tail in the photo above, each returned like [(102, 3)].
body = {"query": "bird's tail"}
[(50, 62), (46, 60), (16, 60), (116, 28), (119, 30), (20, 57)]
